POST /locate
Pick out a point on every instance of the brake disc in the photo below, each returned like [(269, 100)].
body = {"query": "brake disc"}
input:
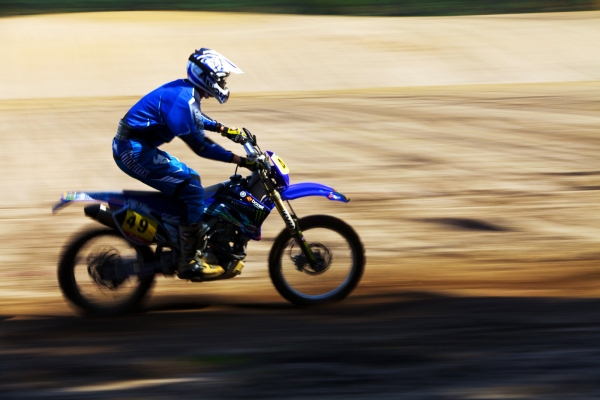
[(322, 255)]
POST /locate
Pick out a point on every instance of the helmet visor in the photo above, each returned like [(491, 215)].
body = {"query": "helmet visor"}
[(222, 79)]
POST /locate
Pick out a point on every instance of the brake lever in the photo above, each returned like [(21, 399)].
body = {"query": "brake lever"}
[(250, 137)]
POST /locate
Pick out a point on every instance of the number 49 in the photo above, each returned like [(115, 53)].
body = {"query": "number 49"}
[(142, 225)]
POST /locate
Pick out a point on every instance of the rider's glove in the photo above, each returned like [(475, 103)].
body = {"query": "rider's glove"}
[(250, 164), (234, 134)]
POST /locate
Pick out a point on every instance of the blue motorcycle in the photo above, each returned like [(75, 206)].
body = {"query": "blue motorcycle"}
[(108, 270)]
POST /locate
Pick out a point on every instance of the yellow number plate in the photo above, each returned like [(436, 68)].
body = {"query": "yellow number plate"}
[(139, 225), (279, 162)]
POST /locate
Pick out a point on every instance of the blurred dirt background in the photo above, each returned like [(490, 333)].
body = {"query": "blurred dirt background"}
[(468, 145)]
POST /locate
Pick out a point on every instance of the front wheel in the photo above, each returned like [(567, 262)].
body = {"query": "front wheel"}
[(96, 272), (340, 262)]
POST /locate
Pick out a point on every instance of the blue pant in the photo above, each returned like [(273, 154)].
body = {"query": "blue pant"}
[(158, 169)]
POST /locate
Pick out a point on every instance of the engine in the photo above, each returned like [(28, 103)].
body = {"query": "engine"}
[(226, 244)]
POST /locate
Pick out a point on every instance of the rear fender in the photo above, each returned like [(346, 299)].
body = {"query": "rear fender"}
[(143, 227), (115, 199), (305, 189)]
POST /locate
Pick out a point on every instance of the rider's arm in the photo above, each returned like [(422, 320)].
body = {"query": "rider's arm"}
[(210, 124), (234, 134), (206, 148), (185, 120)]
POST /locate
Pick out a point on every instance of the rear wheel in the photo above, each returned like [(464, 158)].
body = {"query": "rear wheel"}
[(96, 272), (340, 262)]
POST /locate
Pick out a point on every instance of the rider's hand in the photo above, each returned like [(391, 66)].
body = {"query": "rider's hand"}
[(250, 164), (234, 134)]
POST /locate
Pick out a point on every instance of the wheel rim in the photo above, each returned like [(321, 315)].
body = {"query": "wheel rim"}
[(331, 277), (100, 271)]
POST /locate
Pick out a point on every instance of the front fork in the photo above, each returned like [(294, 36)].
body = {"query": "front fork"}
[(291, 221)]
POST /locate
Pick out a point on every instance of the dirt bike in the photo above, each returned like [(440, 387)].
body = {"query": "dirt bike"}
[(108, 271)]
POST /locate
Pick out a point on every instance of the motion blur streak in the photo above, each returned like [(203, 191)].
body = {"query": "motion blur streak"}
[(469, 146), (127, 385), (130, 53)]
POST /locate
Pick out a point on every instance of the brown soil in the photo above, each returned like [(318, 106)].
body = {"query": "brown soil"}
[(477, 204)]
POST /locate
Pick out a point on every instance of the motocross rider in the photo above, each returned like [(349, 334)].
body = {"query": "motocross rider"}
[(174, 110)]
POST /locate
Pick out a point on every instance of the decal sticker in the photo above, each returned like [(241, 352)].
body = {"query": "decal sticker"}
[(288, 218), (307, 247), (337, 196), (255, 203), (128, 159), (280, 164), (139, 226), (197, 116), (260, 216), (73, 196), (135, 239), (114, 200), (160, 159)]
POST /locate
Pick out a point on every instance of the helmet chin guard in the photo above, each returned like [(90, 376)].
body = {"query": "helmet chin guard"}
[(208, 70)]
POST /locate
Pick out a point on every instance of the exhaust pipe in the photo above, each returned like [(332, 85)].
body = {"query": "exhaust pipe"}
[(100, 213)]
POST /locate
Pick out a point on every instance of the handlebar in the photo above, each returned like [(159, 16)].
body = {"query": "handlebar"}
[(250, 151), (250, 148)]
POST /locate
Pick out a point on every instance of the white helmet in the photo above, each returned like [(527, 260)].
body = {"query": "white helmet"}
[(208, 70)]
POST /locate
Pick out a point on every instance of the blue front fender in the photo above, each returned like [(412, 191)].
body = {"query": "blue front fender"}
[(304, 189)]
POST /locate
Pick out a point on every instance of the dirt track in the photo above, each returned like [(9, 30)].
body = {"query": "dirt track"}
[(477, 204)]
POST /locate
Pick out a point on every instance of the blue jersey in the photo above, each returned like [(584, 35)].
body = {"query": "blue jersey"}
[(174, 110)]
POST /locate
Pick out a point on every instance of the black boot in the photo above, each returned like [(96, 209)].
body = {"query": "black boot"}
[(191, 264)]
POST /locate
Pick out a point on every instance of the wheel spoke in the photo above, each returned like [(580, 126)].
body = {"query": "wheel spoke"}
[(95, 273), (339, 266)]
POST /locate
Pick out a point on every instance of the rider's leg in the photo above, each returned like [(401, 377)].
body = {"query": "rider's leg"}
[(191, 264), (158, 169)]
